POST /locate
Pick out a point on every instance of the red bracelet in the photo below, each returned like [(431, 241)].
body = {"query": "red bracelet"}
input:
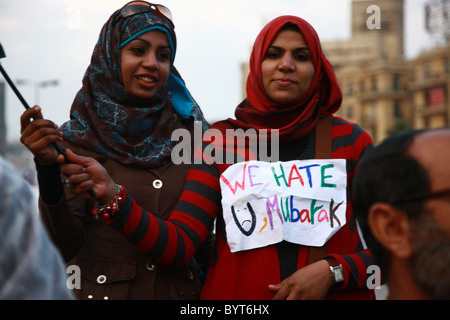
[(109, 210)]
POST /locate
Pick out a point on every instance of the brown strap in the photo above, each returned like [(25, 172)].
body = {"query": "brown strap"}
[(323, 151), (323, 138)]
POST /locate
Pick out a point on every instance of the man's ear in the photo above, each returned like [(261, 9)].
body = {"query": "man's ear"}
[(390, 228)]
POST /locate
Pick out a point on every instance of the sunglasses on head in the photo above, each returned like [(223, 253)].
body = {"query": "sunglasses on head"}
[(136, 7)]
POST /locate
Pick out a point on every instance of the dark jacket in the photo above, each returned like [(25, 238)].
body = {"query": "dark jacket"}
[(111, 268)]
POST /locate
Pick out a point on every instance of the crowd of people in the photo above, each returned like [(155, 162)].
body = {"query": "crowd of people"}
[(139, 226)]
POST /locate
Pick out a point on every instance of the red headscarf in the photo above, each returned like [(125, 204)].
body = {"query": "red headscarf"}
[(297, 120)]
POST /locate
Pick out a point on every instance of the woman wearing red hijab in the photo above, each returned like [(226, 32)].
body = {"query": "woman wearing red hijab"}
[(292, 89), (297, 118)]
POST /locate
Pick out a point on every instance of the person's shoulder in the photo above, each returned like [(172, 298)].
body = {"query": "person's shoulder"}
[(344, 122), (347, 133), (9, 176), (4, 166), (347, 126), (16, 193)]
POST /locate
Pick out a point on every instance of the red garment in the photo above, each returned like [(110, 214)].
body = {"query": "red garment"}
[(245, 275), (294, 121)]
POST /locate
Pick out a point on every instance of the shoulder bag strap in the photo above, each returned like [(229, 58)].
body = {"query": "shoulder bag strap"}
[(323, 151)]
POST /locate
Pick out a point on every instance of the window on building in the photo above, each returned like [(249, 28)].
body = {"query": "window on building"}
[(349, 112), (396, 82), (350, 89), (397, 110), (435, 96)]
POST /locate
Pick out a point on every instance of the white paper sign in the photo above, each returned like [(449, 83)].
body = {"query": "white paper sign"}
[(301, 201)]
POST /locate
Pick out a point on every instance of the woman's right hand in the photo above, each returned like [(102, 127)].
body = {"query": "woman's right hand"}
[(39, 134), (85, 174)]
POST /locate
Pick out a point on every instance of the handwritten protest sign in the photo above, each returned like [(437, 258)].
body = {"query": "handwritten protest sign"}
[(301, 201)]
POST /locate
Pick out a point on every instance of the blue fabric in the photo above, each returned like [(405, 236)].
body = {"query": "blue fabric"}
[(31, 268), (182, 101)]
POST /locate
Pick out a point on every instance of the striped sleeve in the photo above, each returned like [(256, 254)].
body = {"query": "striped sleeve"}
[(350, 142), (355, 268), (174, 241)]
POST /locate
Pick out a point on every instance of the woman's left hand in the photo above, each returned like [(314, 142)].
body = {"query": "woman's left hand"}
[(312, 282)]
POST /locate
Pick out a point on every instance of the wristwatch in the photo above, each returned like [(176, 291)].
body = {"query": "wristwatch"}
[(336, 270)]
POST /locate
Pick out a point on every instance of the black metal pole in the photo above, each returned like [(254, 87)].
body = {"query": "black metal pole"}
[(2, 119), (25, 104)]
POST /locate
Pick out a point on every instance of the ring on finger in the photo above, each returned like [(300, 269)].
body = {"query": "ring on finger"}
[(68, 184)]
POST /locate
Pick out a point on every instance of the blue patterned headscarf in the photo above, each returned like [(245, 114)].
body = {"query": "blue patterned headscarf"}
[(106, 119)]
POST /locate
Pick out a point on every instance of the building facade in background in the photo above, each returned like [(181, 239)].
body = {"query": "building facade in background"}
[(429, 87), (384, 92)]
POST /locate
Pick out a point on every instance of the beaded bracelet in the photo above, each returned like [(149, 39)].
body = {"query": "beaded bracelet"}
[(108, 211)]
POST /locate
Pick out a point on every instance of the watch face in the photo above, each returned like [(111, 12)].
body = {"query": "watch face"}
[(338, 274)]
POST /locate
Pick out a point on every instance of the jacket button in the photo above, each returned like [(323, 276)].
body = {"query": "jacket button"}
[(150, 266), (101, 279), (157, 184)]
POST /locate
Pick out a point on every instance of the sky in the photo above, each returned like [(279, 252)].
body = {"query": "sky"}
[(47, 40)]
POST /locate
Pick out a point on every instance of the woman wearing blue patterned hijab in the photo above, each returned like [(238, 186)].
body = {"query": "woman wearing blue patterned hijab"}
[(131, 101), (108, 119)]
